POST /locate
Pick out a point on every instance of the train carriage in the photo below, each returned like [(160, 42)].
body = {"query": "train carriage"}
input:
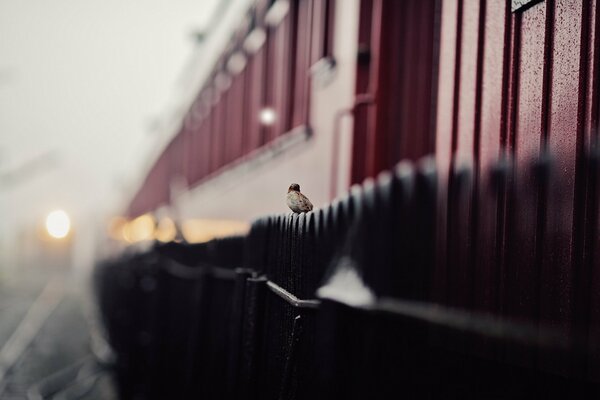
[(498, 98)]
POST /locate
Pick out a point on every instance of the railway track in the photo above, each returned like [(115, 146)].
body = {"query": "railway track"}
[(48, 354)]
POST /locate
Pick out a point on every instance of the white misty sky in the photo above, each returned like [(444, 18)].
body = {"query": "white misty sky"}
[(86, 79)]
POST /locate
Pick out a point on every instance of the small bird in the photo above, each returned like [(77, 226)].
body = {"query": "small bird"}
[(296, 201)]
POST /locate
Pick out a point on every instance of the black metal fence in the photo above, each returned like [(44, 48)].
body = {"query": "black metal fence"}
[(388, 292)]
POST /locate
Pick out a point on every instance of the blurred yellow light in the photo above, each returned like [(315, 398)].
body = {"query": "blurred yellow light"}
[(165, 230), (115, 227), (203, 230), (140, 229), (58, 224), (125, 232)]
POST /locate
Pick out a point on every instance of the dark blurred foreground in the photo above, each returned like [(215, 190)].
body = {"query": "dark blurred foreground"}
[(46, 338), (373, 296)]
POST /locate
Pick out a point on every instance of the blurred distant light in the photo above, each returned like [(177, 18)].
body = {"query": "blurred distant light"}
[(58, 224), (125, 233), (277, 12), (115, 227), (236, 63), (255, 40), (165, 230), (267, 116), (140, 229), (203, 230)]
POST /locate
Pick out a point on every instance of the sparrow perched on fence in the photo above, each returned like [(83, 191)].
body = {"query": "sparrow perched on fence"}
[(296, 201)]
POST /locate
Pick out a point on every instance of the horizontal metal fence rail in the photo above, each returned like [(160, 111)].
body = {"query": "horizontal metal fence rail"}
[(372, 296)]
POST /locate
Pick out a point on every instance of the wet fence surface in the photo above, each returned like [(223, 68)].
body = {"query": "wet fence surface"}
[(409, 286)]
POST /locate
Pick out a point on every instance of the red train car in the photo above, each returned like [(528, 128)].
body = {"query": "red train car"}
[(353, 87), (328, 93), (468, 81)]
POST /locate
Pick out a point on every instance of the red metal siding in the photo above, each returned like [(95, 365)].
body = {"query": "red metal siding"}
[(238, 114), (203, 151), (492, 128), (283, 72), (464, 137), (445, 119), (359, 142), (516, 84), (301, 84), (256, 90), (318, 29), (401, 53), (590, 272)]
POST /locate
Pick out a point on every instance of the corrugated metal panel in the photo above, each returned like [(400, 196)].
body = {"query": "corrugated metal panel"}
[(493, 122), (301, 88), (282, 63), (398, 44), (516, 84)]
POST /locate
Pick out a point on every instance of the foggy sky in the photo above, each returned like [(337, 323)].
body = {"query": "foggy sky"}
[(84, 85)]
